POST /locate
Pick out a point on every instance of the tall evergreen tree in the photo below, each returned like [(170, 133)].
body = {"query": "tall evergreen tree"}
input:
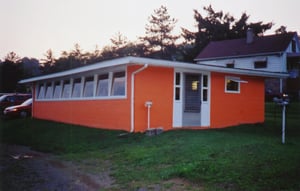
[(159, 40), (218, 26), (48, 63), (10, 72)]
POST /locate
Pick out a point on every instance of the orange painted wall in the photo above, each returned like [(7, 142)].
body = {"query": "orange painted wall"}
[(105, 113), (155, 84), (108, 114), (229, 109)]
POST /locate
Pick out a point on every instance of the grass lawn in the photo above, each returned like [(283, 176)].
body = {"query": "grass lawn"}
[(246, 157)]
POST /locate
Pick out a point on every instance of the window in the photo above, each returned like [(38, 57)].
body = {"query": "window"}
[(205, 88), (260, 64), (230, 65), (118, 84), (177, 86), (293, 46), (76, 88), (106, 85), (192, 92), (102, 88), (205, 81), (88, 87), (57, 90), (232, 84), (41, 91), (66, 89), (49, 91)]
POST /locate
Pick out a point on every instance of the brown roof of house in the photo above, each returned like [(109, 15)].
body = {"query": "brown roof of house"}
[(238, 47)]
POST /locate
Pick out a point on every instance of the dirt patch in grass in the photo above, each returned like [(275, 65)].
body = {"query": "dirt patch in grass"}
[(24, 169), (175, 184)]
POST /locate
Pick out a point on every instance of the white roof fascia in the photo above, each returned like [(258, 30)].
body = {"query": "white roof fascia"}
[(99, 65), (244, 71), (239, 56), (154, 62), (209, 68)]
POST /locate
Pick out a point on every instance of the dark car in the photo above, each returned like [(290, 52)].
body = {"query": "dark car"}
[(22, 110), (12, 99)]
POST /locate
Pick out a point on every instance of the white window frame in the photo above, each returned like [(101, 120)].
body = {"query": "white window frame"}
[(46, 90), (63, 89), (97, 90), (83, 77), (205, 88), (54, 87), (75, 81), (114, 81), (85, 83), (234, 79), (178, 86), (38, 89)]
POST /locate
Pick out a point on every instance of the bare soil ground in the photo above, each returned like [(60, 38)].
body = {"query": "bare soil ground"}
[(22, 169)]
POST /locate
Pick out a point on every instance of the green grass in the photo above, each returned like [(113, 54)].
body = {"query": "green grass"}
[(246, 157)]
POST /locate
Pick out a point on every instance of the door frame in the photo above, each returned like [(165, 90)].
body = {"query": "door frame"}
[(178, 98)]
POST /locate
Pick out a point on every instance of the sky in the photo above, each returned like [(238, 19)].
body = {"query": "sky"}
[(31, 27)]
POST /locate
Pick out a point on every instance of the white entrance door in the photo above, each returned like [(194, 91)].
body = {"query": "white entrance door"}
[(191, 106), (192, 100)]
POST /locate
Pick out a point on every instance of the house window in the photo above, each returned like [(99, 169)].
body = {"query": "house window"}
[(293, 46), (41, 91), (204, 88), (118, 84), (76, 88), (260, 64), (89, 87), (49, 91), (105, 85), (232, 84), (177, 86), (57, 90), (66, 89), (230, 65), (102, 88)]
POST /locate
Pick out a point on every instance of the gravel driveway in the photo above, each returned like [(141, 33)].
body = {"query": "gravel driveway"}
[(24, 169)]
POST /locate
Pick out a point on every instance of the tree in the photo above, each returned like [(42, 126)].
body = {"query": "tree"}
[(30, 67), (68, 60), (10, 72), (218, 26), (159, 38), (121, 47), (119, 41), (47, 63), (12, 57), (281, 30)]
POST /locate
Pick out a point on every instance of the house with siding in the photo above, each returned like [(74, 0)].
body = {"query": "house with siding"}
[(134, 94), (274, 53)]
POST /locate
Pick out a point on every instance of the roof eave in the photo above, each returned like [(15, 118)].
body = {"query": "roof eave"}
[(244, 71), (153, 62), (99, 65), (238, 56)]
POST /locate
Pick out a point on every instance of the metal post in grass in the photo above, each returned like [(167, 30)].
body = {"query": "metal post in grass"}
[(284, 101), (283, 123)]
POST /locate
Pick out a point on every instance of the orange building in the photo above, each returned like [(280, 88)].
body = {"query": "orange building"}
[(134, 94)]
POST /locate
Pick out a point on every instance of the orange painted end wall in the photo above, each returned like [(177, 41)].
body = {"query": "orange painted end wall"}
[(228, 109), (154, 84), (98, 113), (108, 114)]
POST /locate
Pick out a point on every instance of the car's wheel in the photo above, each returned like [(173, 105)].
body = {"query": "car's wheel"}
[(23, 114)]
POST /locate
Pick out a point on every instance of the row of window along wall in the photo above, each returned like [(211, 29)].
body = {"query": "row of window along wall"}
[(108, 85)]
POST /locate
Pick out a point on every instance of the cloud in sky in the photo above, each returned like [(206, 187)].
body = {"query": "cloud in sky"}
[(31, 27)]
